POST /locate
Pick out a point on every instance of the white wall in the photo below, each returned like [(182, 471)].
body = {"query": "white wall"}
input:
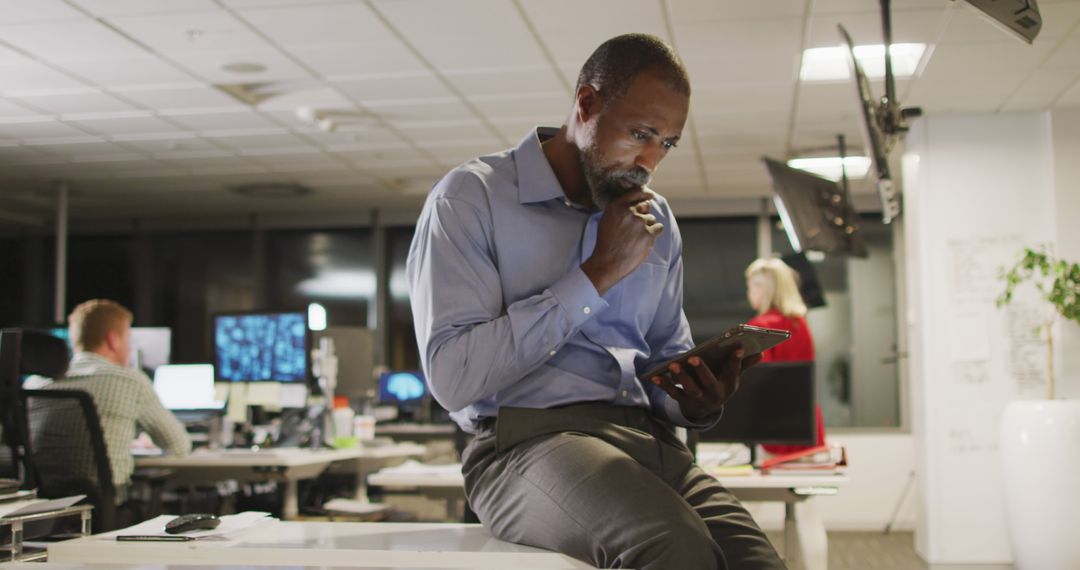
[(977, 188), (1065, 125)]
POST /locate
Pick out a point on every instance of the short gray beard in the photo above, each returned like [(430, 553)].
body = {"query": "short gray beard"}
[(604, 186)]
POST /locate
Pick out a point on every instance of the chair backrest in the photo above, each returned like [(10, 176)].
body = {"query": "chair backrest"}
[(23, 352), (68, 449)]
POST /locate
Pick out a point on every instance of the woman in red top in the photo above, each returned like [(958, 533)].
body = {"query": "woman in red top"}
[(773, 292)]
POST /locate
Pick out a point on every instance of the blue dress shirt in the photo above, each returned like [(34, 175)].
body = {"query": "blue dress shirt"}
[(504, 314)]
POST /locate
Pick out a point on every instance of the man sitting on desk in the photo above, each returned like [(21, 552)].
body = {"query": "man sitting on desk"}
[(544, 280), (125, 399)]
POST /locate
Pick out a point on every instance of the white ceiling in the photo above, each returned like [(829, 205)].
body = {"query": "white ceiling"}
[(117, 97)]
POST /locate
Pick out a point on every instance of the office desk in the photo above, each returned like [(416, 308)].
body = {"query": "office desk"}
[(286, 466), (351, 545), (805, 541), (415, 432)]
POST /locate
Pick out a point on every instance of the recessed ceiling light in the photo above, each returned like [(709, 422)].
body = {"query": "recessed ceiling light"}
[(271, 190), (244, 67), (829, 166), (831, 64)]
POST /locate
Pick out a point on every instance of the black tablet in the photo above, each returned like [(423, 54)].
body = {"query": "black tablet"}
[(714, 352)]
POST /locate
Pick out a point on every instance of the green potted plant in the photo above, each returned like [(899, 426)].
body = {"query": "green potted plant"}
[(1040, 439), (1058, 283)]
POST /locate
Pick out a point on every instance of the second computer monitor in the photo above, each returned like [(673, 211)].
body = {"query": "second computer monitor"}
[(261, 347), (774, 404), (404, 388), (183, 387)]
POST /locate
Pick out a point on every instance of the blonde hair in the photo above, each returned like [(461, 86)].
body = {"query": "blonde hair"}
[(90, 323), (780, 285)]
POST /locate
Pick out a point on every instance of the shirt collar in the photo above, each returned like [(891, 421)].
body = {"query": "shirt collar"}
[(536, 179)]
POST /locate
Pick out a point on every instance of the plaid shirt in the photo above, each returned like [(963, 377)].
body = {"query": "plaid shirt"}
[(126, 402)]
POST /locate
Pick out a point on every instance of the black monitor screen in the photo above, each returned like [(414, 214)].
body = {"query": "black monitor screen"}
[(402, 387), (774, 404), (261, 347)]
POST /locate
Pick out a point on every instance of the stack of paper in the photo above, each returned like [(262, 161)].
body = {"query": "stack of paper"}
[(821, 460)]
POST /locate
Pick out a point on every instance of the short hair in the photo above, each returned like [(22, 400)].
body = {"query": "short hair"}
[(90, 323), (614, 65), (780, 284)]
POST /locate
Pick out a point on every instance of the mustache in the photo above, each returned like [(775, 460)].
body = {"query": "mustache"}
[(637, 176)]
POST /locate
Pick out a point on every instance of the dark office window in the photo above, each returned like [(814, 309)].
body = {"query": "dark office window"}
[(331, 267), (194, 276), (100, 267), (11, 284), (716, 253), (403, 351)]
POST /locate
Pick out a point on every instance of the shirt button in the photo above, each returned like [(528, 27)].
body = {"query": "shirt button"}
[(566, 203), (625, 393), (552, 353), (586, 310)]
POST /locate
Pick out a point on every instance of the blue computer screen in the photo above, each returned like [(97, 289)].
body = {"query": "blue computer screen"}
[(265, 347), (402, 387)]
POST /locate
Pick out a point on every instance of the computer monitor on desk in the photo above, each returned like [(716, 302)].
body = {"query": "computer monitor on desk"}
[(407, 390), (188, 390), (775, 404), (268, 346)]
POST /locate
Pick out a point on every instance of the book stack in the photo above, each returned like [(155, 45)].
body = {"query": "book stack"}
[(821, 460)]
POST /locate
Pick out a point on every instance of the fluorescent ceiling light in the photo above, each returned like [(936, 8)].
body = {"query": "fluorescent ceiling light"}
[(829, 166), (831, 64)]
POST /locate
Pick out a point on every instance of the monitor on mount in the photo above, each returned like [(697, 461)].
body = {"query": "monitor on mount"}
[(815, 212), (264, 346), (775, 404), (1019, 18)]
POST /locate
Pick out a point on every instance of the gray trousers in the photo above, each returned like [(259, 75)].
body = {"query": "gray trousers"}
[(610, 485)]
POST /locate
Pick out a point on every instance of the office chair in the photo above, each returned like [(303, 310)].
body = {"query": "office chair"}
[(23, 352), (64, 424)]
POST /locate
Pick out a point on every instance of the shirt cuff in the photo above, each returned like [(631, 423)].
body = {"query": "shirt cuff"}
[(578, 297), (674, 413)]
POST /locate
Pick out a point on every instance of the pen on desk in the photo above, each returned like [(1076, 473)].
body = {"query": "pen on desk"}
[(153, 538)]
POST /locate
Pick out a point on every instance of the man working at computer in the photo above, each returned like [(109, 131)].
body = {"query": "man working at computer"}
[(544, 280), (125, 399)]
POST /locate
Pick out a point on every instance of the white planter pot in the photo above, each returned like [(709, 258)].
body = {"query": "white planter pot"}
[(1040, 452)]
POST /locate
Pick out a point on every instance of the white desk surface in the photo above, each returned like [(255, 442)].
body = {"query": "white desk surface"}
[(445, 476), (89, 566), (284, 457), (351, 545)]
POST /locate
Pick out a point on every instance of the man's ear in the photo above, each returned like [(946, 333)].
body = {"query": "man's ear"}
[(112, 340), (588, 103)]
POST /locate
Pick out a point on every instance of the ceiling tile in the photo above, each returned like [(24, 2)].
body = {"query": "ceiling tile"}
[(126, 125), (554, 106), (510, 81), (691, 11), (38, 129), (917, 26), (307, 26), (354, 59), (863, 6), (1040, 90), (88, 101), (1065, 55), (140, 7), (184, 96), (394, 88), (256, 141), (210, 66), (1070, 98), (34, 76), (9, 56), (191, 33), (119, 73), (476, 53), (423, 133), (16, 12), (83, 40), (10, 108), (570, 41), (222, 119), (450, 110), (166, 145)]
